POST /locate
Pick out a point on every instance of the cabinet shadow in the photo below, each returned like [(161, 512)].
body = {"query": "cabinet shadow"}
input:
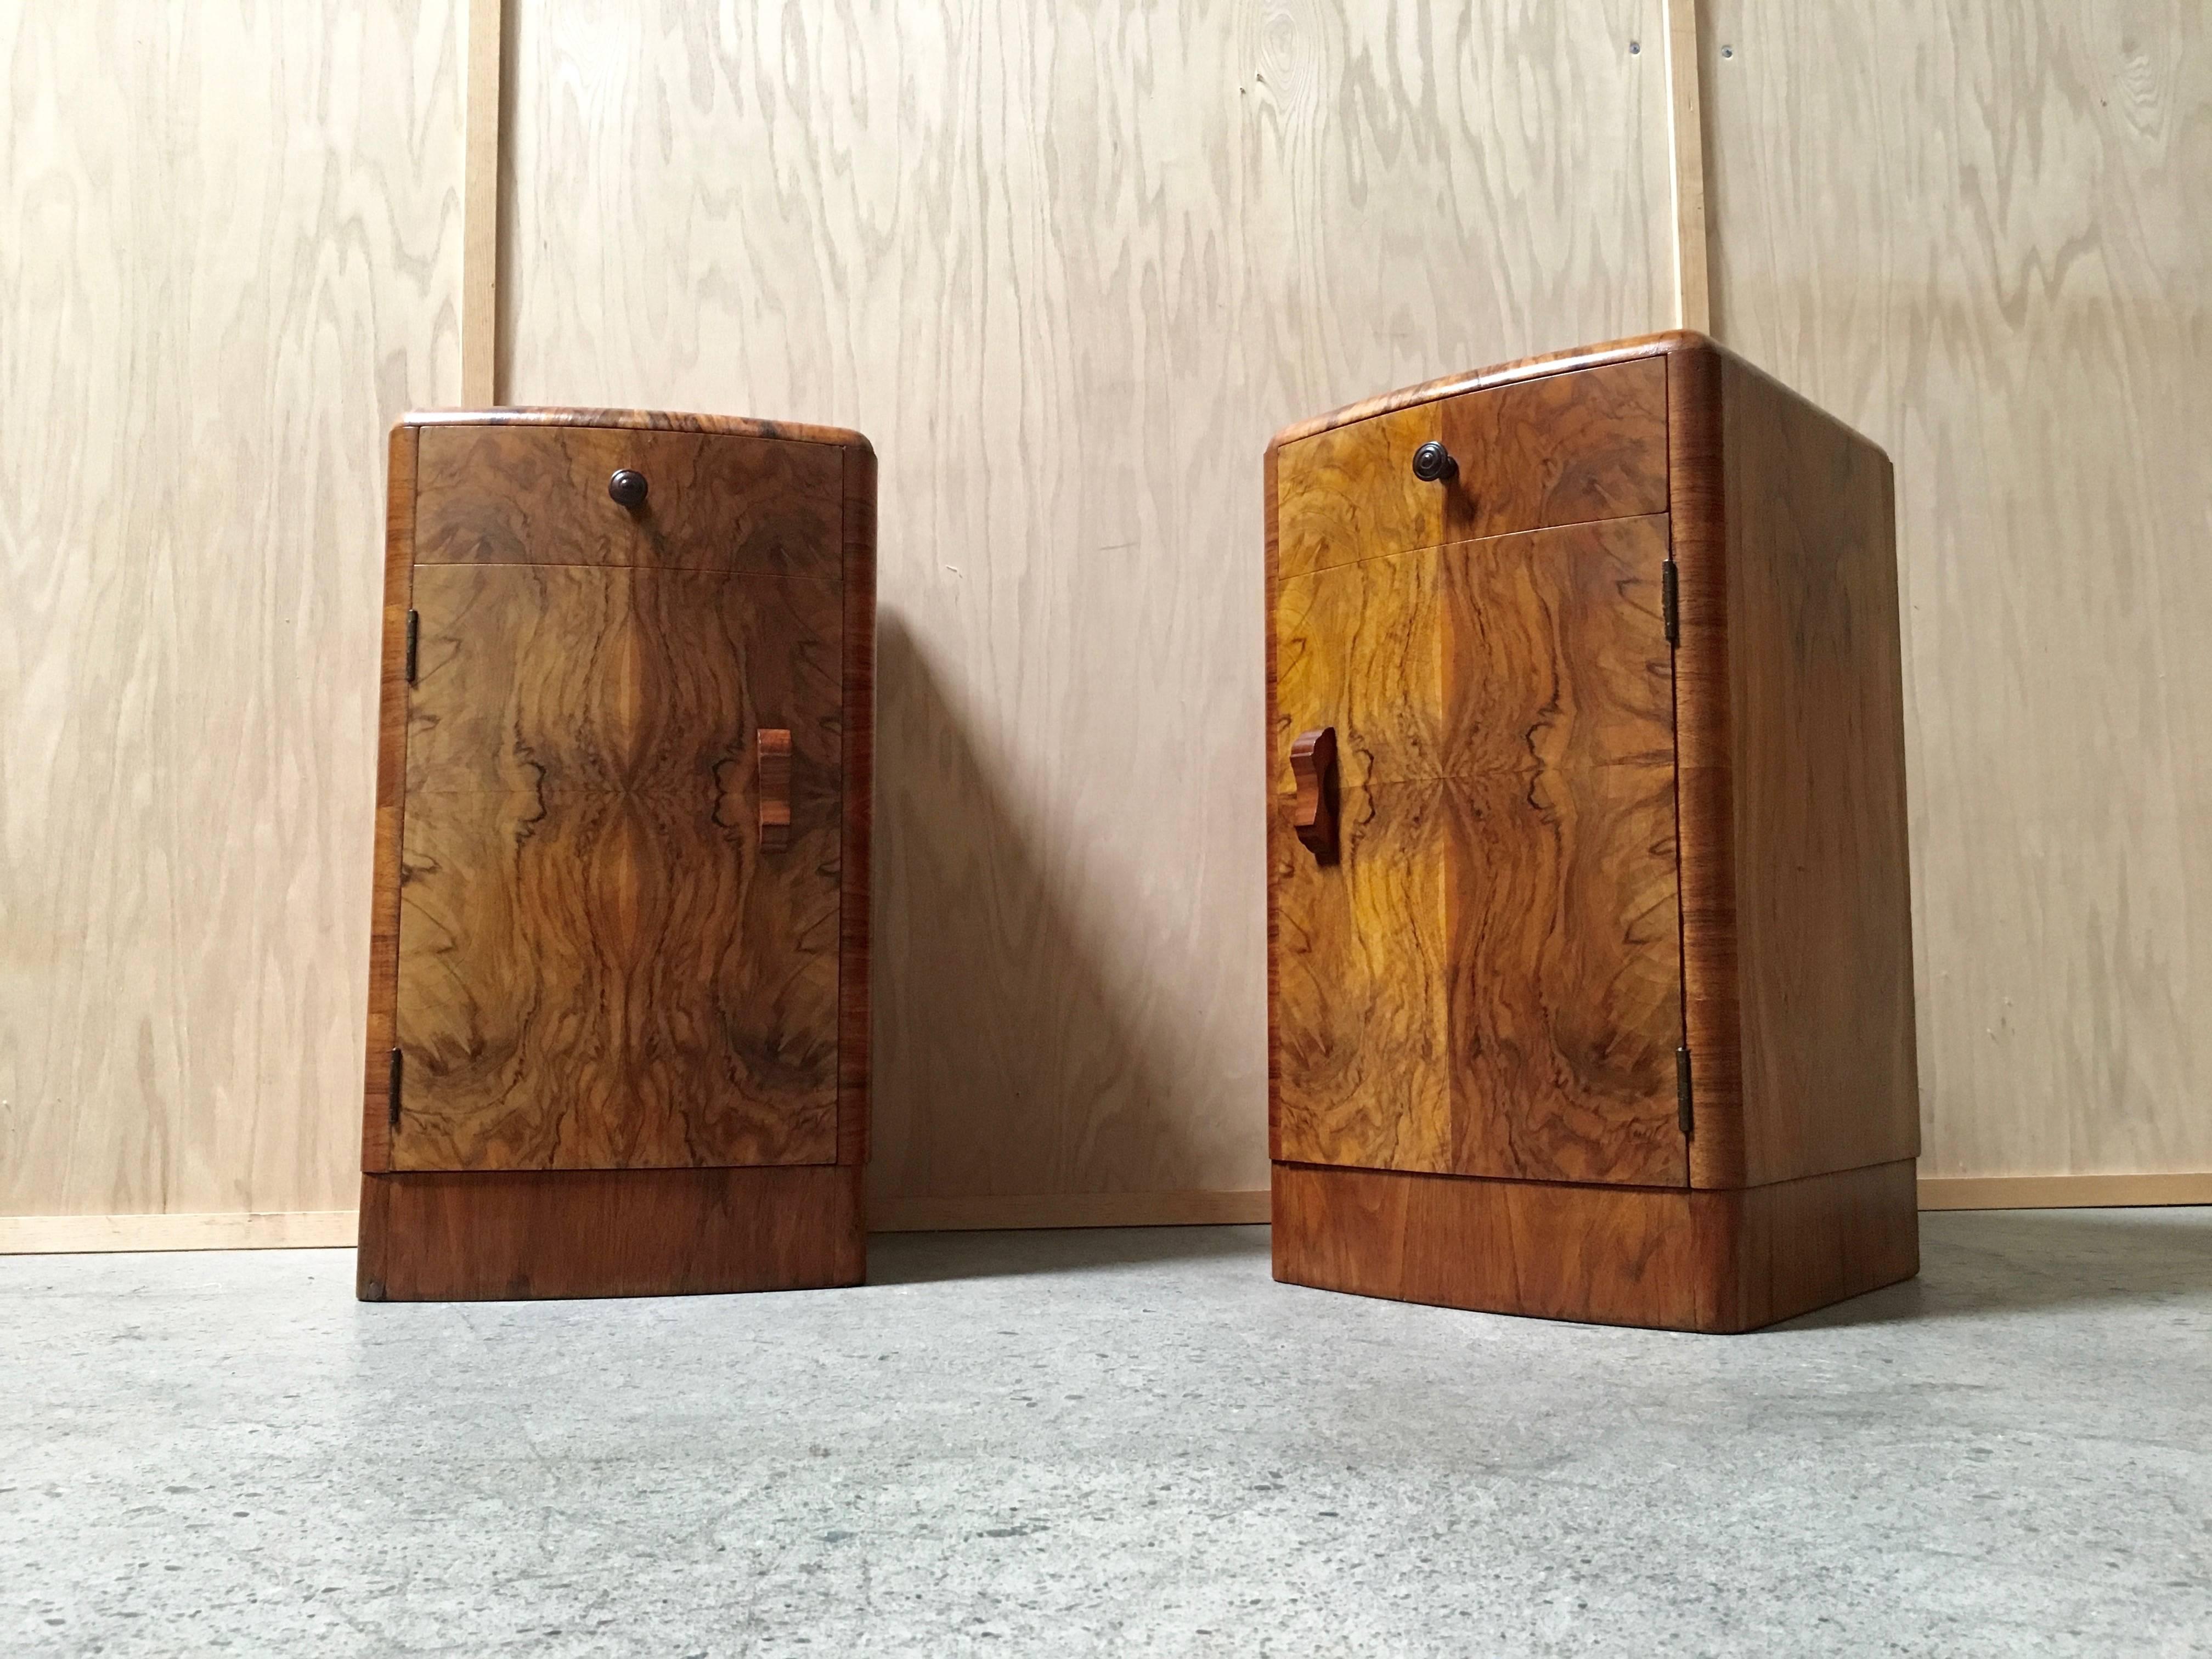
[(925, 1258), (1985, 1263), (1024, 1043)]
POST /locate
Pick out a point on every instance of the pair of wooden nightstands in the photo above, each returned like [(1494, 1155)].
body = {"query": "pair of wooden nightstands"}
[(1590, 961)]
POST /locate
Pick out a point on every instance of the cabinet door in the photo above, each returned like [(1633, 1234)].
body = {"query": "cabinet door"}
[(603, 962), (1488, 980)]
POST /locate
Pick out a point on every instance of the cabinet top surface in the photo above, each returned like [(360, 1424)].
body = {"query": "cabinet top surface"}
[(1524, 369), (654, 419)]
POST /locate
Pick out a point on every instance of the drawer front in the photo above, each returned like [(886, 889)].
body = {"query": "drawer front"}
[(538, 494), (1564, 449)]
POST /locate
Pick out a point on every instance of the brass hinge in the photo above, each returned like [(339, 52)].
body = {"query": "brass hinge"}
[(414, 632), (1683, 1108), (392, 1092), (1670, 592)]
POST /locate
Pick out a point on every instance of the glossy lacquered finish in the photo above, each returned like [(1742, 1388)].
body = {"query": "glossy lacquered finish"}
[(1566, 682), (623, 817)]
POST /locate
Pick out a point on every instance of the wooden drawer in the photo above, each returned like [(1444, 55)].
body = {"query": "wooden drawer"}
[(1557, 450), (537, 495)]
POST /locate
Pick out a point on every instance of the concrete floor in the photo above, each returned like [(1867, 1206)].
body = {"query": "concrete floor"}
[(1115, 1443)]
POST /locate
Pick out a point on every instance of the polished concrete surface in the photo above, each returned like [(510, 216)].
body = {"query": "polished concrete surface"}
[(1112, 1443)]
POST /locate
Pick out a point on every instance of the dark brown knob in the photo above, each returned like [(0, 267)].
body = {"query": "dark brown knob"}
[(1433, 463), (628, 488)]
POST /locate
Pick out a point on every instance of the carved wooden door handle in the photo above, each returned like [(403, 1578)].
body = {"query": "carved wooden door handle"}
[(1313, 766), (775, 752)]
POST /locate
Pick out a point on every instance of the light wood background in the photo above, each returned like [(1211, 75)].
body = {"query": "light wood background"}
[(231, 257), (1068, 266), (1983, 235)]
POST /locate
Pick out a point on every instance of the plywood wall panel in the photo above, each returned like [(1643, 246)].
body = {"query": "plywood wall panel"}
[(1068, 266), (232, 257), (1979, 233)]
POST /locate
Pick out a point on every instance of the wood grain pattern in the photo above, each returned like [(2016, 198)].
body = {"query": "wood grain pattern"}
[(1532, 452), (2013, 300), (1544, 651), (857, 795), (1363, 1043), (1611, 1255), (1824, 903), (517, 493), (557, 678), (1350, 492), (1069, 354), (1704, 784), (1677, 1259), (1775, 1251), (233, 1229), (2063, 1192), (232, 259), (390, 802), (608, 1232), (1557, 449), (1572, 360), (600, 964), (1489, 983)]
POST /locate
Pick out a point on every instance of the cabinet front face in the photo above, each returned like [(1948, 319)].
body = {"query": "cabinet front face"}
[(613, 952), (1487, 979)]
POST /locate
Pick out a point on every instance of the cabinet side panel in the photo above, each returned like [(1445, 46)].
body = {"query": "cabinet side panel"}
[(1822, 879), (391, 803), (1704, 803), (854, 1005), (1271, 580)]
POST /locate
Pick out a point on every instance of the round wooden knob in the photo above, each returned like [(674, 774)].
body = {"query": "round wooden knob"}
[(628, 488), (1433, 463)]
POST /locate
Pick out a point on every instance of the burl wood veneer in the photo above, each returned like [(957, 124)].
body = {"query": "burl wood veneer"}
[(1590, 950), (618, 1014)]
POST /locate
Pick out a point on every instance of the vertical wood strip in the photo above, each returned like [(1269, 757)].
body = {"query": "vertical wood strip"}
[(390, 802), (1704, 780), (1694, 304), (855, 1008), (480, 207)]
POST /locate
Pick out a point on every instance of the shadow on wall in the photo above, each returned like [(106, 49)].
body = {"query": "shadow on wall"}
[(1976, 1263), (1025, 1042)]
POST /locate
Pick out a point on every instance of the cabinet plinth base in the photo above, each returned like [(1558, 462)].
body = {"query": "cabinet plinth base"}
[(512, 1235), (1671, 1258)]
